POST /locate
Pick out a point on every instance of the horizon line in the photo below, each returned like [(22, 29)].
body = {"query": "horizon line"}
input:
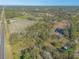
[(39, 5)]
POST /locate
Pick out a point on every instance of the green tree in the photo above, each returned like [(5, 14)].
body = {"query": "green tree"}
[(25, 54)]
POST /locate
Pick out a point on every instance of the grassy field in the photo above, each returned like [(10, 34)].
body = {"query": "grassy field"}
[(7, 43)]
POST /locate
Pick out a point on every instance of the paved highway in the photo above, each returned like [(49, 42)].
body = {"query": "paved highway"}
[(2, 38)]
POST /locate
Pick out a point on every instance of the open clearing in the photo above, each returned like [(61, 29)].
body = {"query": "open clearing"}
[(20, 25)]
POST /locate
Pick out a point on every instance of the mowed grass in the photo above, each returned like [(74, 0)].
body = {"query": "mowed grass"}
[(21, 17), (7, 46)]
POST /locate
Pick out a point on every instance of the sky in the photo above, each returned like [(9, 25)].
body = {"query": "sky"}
[(41, 2)]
